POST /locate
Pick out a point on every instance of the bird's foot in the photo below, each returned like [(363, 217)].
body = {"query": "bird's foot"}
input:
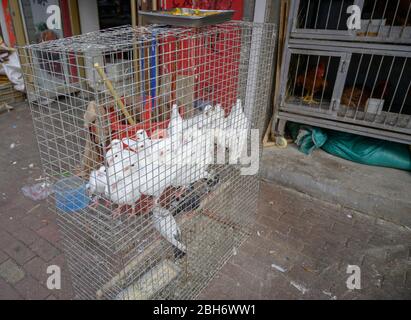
[(132, 213), (212, 181), (309, 100), (94, 203), (178, 254), (179, 194), (117, 212)]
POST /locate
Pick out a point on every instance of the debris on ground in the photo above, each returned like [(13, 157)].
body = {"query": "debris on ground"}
[(33, 208), (299, 287), (5, 107), (332, 297), (38, 191), (309, 269), (277, 267)]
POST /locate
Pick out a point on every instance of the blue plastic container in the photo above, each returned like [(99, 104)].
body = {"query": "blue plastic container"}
[(70, 194)]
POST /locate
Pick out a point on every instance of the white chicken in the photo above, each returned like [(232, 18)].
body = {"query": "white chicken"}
[(113, 148), (148, 167), (121, 188), (236, 130), (188, 163), (175, 127), (97, 184), (165, 223), (152, 148), (132, 145), (153, 177), (198, 121), (141, 135), (124, 192), (118, 161), (218, 125)]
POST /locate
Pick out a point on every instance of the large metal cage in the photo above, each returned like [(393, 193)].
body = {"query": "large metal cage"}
[(142, 132), (363, 88)]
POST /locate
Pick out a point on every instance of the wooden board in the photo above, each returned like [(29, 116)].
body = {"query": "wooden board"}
[(151, 282)]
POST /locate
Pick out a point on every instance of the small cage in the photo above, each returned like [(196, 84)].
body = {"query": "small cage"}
[(311, 79), (368, 88), (377, 90), (140, 131), (380, 20)]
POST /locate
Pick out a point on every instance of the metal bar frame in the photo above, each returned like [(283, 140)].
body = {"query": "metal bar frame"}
[(323, 41), (387, 34)]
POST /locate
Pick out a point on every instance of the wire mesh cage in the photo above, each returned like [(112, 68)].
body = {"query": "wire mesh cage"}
[(141, 132), (379, 20)]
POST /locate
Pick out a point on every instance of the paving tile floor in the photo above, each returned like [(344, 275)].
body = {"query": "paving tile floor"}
[(302, 247)]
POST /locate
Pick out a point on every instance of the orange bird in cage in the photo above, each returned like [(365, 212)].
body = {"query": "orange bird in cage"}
[(312, 81)]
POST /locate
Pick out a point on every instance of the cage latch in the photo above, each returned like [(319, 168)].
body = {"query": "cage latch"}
[(343, 64)]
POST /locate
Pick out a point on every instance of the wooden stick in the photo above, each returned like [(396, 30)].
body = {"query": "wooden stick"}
[(134, 21), (284, 6), (113, 92), (266, 142), (127, 269), (133, 13)]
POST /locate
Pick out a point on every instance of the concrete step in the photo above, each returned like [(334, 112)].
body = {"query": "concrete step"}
[(380, 192)]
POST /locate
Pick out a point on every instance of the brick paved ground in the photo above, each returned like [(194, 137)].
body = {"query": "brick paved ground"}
[(300, 249)]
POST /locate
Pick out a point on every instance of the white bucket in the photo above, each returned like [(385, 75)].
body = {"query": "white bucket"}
[(374, 105)]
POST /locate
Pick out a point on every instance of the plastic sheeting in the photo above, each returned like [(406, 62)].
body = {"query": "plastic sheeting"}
[(12, 70), (352, 147)]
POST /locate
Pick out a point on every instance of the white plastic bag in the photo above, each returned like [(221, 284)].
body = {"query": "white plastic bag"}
[(12, 70), (38, 191)]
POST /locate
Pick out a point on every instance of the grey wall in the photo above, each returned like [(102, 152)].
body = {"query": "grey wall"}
[(88, 12), (248, 10)]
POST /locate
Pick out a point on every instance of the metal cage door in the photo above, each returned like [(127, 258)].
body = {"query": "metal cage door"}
[(300, 79)]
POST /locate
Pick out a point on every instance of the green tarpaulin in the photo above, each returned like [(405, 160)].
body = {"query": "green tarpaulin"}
[(351, 147)]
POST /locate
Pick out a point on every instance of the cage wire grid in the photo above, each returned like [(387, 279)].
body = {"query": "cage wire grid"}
[(128, 121)]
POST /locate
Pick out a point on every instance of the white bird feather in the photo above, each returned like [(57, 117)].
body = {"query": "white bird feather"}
[(98, 180), (165, 223), (175, 127), (188, 163), (236, 128), (124, 191)]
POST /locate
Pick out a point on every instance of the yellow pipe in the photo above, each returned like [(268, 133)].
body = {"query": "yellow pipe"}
[(113, 92)]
